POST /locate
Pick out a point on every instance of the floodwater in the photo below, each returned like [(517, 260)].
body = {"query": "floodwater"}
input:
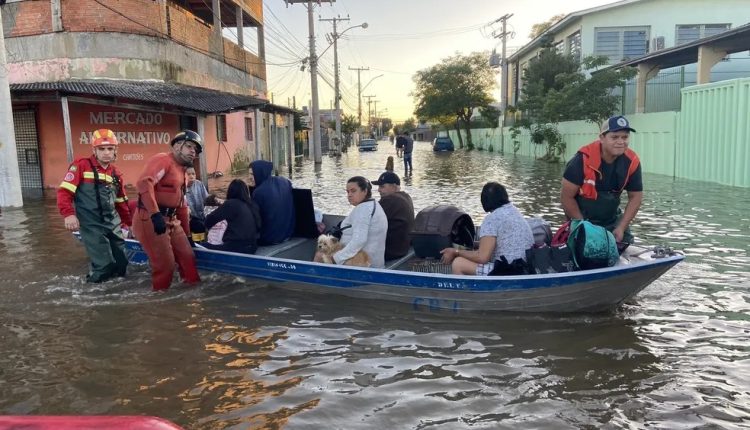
[(238, 354)]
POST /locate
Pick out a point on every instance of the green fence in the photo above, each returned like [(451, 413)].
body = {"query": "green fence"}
[(714, 133), (708, 140)]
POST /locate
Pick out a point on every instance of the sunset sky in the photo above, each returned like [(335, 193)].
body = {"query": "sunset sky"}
[(402, 37)]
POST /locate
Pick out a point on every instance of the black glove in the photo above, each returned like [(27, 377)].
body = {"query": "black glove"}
[(160, 227)]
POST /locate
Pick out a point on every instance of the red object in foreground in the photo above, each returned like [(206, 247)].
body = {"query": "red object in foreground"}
[(38, 422)]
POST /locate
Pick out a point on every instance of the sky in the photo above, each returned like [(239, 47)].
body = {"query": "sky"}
[(402, 37)]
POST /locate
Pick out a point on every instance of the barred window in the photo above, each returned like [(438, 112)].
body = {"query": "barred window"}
[(221, 128), (621, 43), (574, 46), (691, 32), (249, 128), (560, 47)]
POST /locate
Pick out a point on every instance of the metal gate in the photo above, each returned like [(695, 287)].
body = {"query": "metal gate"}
[(27, 148)]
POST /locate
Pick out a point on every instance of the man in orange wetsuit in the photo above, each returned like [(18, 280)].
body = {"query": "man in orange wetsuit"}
[(161, 223)]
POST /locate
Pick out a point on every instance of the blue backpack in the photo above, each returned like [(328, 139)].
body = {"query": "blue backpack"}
[(592, 246)]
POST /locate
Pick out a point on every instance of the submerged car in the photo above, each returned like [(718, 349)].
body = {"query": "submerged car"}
[(368, 145), (440, 144)]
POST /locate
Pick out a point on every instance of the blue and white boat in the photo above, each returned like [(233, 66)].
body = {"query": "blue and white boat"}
[(414, 281)]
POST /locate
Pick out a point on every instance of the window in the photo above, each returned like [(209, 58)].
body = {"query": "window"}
[(249, 128), (574, 46), (689, 33), (221, 128), (621, 43), (559, 47)]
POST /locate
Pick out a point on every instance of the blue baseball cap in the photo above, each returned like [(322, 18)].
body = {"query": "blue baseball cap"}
[(616, 123), (387, 178)]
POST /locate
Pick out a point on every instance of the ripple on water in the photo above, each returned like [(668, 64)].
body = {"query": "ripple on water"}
[(237, 354)]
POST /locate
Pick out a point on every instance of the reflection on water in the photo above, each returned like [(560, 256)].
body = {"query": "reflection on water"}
[(241, 354)]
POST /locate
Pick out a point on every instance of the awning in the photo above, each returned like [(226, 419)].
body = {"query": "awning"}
[(185, 97), (730, 42)]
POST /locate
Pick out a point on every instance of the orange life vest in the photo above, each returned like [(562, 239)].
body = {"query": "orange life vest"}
[(592, 161)]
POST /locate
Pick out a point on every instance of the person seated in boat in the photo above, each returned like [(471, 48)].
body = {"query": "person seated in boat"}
[(504, 238), (399, 210), (242, 217), (365, 227), (597, 175), (273, 195), (216, 233), (195, 194)]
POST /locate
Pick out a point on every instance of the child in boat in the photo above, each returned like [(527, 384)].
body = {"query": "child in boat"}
[(214, 236), (243, 220)]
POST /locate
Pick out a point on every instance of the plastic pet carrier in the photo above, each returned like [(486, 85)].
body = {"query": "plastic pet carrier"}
[(439, 227)]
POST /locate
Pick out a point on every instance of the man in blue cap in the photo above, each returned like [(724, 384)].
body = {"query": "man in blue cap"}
[(596, 176), (399, 210)]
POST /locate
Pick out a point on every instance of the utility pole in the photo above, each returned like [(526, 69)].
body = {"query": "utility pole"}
[(369, 112), (315, 114), (359, 91), (503, 35), (10, 178), (375, 109), (336, 95)]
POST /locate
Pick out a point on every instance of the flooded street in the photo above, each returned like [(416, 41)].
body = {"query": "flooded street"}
[(237, 354)]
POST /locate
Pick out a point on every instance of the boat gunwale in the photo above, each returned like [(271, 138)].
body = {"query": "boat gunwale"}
[(472, 282)]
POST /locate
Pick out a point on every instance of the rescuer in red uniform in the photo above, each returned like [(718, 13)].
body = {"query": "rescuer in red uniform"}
[(161, 222), (92, 199)]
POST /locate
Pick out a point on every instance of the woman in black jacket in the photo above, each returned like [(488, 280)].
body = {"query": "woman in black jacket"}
[(243, 220)]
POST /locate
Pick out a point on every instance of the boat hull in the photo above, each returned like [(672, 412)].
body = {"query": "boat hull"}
[(597, 290)]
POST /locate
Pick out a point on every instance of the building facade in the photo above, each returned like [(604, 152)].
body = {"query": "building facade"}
[(632, 28), (145, 69)]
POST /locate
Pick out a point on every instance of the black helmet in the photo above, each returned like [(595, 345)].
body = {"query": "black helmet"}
[(189, 136)]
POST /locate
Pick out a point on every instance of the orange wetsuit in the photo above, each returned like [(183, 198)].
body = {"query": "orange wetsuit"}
[(161, 189)]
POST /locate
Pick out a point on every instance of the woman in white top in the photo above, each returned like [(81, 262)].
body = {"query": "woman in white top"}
[(366, 225), (504, 236)]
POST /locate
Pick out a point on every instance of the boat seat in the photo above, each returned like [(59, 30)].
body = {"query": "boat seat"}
[(396, 262), (304, 212), (272, 250)]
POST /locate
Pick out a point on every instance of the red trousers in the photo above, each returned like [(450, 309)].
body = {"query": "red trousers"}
[(165, 250)]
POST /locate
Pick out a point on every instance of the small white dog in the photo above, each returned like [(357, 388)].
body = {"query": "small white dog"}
[(329, 245)]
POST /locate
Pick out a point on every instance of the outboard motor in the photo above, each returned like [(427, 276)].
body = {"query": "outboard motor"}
[(438, 227)]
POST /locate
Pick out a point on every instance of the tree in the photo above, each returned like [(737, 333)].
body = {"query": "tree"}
[(541, 27), (556, 89), (298, 125), (386, 124), (407, 126), (349, 124), (454, 88)]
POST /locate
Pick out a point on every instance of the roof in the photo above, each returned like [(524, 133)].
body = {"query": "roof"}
[(564, 22), (184, 97), (731, 41)]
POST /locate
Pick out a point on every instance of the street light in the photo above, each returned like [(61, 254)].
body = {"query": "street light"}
[(370, 81), (337, 96), (359, 99)]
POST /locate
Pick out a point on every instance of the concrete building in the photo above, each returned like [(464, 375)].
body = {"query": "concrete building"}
[(629, 29), (145, 69)]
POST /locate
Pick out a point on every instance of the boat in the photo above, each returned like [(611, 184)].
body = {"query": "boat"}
[(90, 422), (424, 284)]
